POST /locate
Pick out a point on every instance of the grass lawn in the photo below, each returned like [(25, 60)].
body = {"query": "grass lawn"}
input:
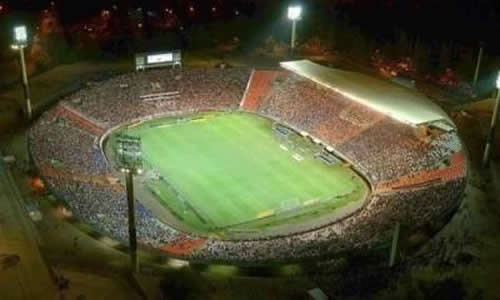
[(231, 169)]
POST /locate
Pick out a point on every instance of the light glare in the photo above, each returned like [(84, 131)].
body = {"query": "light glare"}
[(294, 12), (498, 80), (20, 34)]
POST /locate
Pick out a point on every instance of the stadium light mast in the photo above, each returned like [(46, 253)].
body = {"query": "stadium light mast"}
[(294, 14), (20, 42), (478, 64), (491, 135), (129, 155)]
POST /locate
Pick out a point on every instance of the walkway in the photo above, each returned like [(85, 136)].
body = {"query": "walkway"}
[(23, 273)]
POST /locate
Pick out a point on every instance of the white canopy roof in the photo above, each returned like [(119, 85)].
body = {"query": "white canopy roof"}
[(400, 103)]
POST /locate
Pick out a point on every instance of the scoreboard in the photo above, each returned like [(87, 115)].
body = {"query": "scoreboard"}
[(158, 59)]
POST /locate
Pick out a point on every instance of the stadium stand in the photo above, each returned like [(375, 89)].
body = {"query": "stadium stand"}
[(259, 86), (454, 171), (183, 245), (388, 141), (199, 90), (415, 181), (91, 126)]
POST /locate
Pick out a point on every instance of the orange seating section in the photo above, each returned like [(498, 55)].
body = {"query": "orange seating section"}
[(79, 121), (68, 175), (455, 170), (183, 245), (258, 89)]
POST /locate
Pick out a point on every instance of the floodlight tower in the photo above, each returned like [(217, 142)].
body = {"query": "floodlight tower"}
[(478, 64), (491, 135), (129, 155), (20, 42), (294, 14)]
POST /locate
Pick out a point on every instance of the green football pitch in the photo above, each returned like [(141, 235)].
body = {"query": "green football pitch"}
[(222, 170)]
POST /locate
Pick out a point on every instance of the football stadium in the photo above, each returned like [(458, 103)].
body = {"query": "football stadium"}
[(251, 166)]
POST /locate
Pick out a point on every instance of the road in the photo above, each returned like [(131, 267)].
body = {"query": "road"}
[(23, 273)]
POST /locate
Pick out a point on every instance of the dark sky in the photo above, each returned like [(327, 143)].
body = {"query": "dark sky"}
[(465, 21)]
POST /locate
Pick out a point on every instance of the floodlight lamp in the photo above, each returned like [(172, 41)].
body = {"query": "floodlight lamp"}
[(139, 171), (294, 12), (20, 34), (498, 80)]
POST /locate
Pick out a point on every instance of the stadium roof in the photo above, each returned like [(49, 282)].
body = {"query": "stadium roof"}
[(400, 103)]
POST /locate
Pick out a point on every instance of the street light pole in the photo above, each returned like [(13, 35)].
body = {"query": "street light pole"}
[(490, 140), (130, 161), (132, 232), (20, 42), (294, 13), (26, 87), (478, 64), (292, 41)]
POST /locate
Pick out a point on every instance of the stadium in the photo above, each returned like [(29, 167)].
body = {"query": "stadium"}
[(250, 166)]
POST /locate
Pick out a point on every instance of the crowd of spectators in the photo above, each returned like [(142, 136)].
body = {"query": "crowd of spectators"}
[(300, 102), (368, 138), (258, 88), (57, 143), (121, 98), (363, 230), (390, 149), (382, 148), (106, 211), (456, 169)]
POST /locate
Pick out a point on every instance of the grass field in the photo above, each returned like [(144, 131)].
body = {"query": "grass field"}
[(224, 169)]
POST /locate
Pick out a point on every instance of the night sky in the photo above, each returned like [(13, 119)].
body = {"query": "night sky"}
[(466, 22)]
